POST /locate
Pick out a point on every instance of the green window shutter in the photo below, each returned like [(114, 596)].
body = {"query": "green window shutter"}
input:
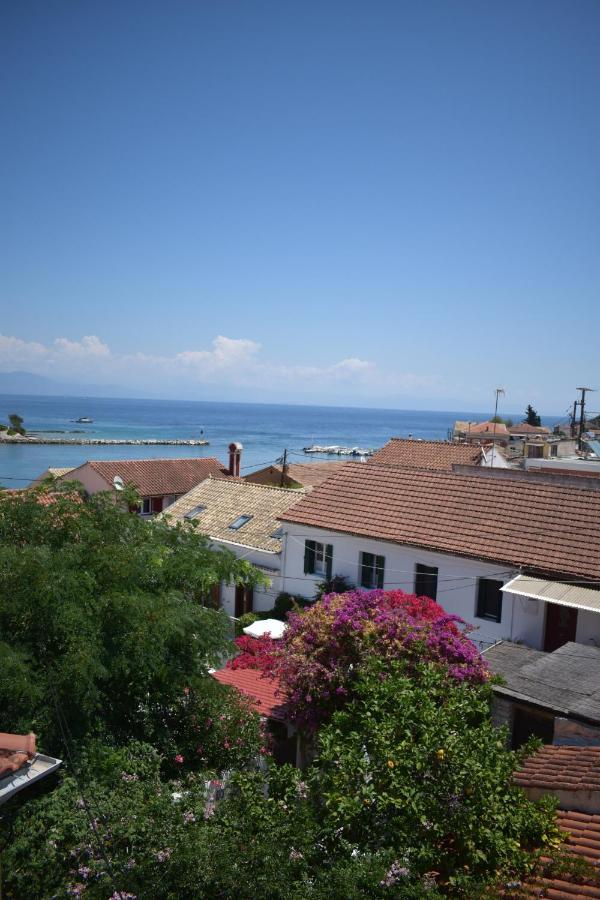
[(366, 569), (309, 557), (328, 561), (379, 568)]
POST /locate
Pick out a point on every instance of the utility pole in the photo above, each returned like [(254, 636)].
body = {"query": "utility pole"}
[(574, 418), (584, 391), (498, 392), (283, 468)]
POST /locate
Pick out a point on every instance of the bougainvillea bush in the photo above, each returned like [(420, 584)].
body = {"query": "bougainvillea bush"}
[(324, 646), (254, 653)]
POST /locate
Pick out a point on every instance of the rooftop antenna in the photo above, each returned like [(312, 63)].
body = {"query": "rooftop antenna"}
[(118, 483), (498, 391)]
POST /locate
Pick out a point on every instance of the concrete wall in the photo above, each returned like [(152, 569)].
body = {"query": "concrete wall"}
[(89, 478)]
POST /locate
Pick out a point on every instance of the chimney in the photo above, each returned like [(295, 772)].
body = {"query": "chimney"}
[(235, 456)]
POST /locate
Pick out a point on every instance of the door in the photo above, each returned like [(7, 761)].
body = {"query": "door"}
[(561, 626), (244, 600)]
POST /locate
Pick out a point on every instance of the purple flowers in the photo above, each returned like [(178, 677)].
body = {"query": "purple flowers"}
[(394, 874), (325, 645)]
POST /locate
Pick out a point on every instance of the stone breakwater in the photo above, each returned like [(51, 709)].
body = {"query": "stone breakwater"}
[(138, 442)]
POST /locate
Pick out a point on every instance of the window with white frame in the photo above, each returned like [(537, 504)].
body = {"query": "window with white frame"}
[(318, 558), (371, 569)]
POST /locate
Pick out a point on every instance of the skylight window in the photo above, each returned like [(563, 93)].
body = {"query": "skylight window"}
[(195, 511), (239, 523)]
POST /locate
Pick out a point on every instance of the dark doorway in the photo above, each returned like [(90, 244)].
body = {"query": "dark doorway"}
[(531, 723), (244, 600), (561, 626)]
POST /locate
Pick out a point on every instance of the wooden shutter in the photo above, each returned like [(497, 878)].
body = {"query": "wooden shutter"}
[(328, 561), (366, 570), (379, 567), (309, 557)]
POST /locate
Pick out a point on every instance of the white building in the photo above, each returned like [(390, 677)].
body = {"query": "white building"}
[(461, 538), (241, 517)]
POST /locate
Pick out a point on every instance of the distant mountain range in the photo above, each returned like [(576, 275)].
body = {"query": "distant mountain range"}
[(29, 383)]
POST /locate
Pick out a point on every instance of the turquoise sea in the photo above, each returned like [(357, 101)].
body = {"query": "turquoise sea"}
[(265, 430)]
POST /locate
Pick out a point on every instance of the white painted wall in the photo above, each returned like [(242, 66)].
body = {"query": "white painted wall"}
[(522, 619), (264, 598)]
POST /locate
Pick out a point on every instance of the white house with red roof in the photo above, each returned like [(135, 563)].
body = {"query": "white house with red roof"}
[(515, 555)]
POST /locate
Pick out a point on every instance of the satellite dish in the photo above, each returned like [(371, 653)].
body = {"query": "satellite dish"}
[(118, 483)]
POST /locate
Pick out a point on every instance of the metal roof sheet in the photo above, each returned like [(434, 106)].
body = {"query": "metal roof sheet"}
[(573, 595)]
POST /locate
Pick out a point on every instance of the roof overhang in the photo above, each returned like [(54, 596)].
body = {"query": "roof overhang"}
[(573, 595)]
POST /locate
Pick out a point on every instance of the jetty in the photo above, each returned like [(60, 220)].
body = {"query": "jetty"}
[(103, 442)]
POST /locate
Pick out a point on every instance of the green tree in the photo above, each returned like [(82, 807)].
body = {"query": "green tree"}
[(15, 425), (101, 616), (531, 416)]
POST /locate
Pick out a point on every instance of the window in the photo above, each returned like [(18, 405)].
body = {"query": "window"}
[(318, 559), (489, 600), (426, 578), (371, 570), (239, 523), (146, 509), (192, 513)]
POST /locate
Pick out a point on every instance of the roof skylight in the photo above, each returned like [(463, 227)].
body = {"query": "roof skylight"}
[(195, 511), (239, 523)]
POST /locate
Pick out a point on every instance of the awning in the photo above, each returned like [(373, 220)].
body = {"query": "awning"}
[(572, 595)]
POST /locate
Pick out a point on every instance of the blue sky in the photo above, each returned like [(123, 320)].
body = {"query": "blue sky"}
[(388, 203)]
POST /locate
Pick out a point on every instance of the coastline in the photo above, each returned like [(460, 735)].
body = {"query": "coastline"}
[(25, 441)]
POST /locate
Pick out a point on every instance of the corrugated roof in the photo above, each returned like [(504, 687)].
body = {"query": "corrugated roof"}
[(573, 595), (426, 454), (261, 690), (156, 477), (224, 500), (551, 528)]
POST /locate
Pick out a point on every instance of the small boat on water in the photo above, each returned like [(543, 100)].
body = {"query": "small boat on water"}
[(84, 420)]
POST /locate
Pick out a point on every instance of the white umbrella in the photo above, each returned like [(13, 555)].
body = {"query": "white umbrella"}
[(274, 627)]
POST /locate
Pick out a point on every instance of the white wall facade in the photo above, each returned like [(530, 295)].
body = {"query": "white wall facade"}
[(522, 619), (264, 598)]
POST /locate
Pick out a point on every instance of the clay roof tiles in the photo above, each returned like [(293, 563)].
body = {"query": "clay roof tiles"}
[(224, 500), (426, 454), (261, 690), (153, 477), (561, 768), (546, 527)]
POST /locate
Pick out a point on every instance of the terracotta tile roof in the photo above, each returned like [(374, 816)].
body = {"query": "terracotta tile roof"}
[(526, 428), (426, 454), (44, 498), (15, 751), (583, 841), (561, 768), (308, 475), (261, 690), (488, 428), (224, 500), (543, 527), (154, 477)]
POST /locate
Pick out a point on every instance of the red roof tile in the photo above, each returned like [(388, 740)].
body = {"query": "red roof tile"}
[(261, 690), (583, 840), (561, 768), (541, 526), (488, 428), (526, 428), (15, 751), (426, 454), (308, 475), (154, 477)]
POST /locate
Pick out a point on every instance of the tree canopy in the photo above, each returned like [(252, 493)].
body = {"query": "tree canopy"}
[(531, 416), (102, 615)]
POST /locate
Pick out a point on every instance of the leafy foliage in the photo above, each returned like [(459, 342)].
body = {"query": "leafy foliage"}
[(323, 647), (101, 616)]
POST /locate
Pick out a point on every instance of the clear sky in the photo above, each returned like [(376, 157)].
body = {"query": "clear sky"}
[(387, 203)]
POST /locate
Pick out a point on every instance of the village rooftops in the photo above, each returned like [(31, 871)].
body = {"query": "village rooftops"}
[(542, 527), (481, 429), (527, 429), (306, 475), (155, 477), (426, 454), (235, 511)]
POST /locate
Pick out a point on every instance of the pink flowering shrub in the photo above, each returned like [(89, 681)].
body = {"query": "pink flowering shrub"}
[(324, 646), (255, 653)]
